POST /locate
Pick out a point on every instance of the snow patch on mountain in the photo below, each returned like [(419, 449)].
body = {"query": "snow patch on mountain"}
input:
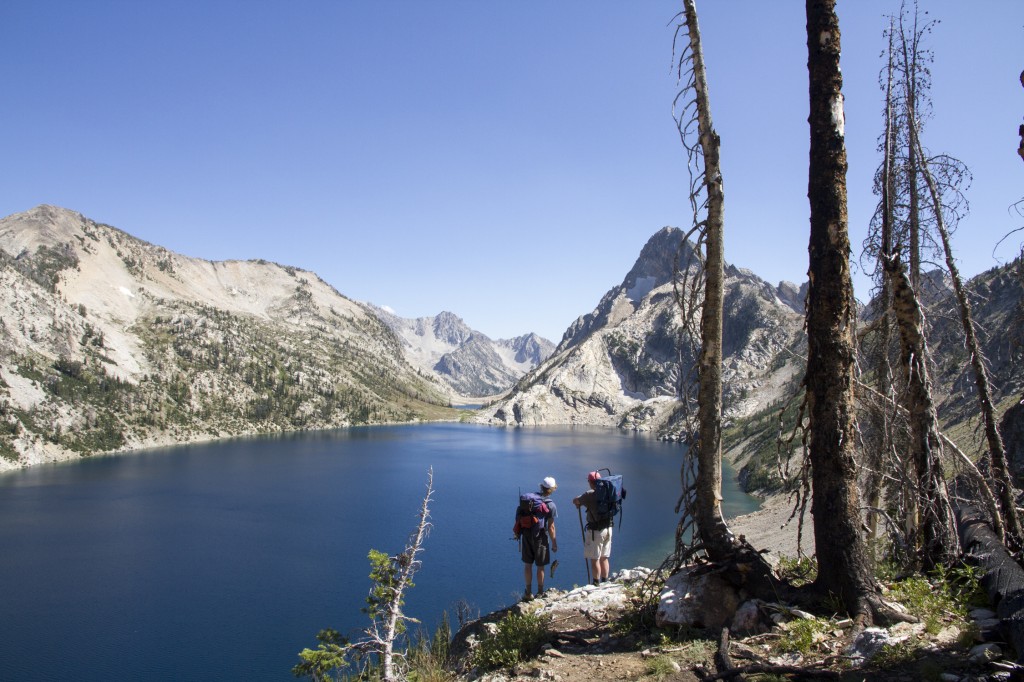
[(641, 288)]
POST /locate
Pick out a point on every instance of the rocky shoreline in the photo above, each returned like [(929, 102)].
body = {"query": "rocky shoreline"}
[(775, 526)]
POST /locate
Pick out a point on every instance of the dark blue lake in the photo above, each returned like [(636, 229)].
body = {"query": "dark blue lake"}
[(223, 560)]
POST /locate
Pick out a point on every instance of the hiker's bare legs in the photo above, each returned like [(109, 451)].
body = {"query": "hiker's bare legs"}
[(605, 568), (528, 577), (595, 569)]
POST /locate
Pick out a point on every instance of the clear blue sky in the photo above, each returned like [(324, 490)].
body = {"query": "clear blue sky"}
[(505, 161)]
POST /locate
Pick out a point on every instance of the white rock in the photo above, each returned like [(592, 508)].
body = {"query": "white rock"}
[(703, 601), (869, 643)]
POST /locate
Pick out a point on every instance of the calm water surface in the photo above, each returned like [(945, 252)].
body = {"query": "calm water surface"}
[(223, 560)]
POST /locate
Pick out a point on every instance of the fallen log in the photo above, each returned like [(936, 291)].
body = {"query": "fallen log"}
[(1002, 577)]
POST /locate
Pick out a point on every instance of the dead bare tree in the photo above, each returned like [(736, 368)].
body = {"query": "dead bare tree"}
[(399, 576), (916, 78), (843, 566), (908, 219), (391, 576), (711, 526), (996, 450), (883, 431), (939, 542), (895, 231), (702, 288)]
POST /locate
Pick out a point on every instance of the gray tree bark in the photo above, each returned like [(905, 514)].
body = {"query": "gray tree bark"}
[(910, 66), (711, 526), (874, 458), (938, 542), (406, 564)]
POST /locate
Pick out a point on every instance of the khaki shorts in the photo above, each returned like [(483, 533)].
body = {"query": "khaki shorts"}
[(597, 544)]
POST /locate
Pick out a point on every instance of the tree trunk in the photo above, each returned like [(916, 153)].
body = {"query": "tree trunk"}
[(739, 563), (910, 57), (711, 526), (843, 568), (874, 458), (938, 543)]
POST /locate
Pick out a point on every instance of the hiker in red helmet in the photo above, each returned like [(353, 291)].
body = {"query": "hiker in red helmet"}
[(597, 539)]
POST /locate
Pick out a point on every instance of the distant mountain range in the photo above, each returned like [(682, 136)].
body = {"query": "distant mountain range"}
[(467, 360), (110, 343)]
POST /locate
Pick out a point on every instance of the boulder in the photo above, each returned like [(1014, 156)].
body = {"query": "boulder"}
[(747, 620), (869, 643), (704, 601)]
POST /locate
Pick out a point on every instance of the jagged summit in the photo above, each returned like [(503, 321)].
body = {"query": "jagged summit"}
[(621, 364), (663, 253), (654, 268), (530, 349), (450, 328)]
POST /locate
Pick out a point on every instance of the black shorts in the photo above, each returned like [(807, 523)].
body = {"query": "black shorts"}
[(535, 548)]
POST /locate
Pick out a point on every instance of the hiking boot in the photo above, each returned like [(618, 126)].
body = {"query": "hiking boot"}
[(554, 565), (528, 596), (540, 594)]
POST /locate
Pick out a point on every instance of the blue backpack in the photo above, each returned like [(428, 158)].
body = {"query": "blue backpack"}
[(608, 496)]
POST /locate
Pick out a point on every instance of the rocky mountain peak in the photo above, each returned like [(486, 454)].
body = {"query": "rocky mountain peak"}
[(451, 328), (44, 225), (657, 262), (654, 267), (621, 364), (530, 349), (792, 295)]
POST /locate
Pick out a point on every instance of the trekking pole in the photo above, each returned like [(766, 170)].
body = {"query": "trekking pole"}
[(583, 533)]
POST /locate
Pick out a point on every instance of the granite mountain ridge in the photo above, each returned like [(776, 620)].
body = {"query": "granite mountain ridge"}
[(111, 343)]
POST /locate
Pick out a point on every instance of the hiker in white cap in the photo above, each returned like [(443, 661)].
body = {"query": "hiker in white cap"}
[(536, 540)]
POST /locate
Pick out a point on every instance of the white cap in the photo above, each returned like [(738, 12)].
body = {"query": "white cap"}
[(548, 483)]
